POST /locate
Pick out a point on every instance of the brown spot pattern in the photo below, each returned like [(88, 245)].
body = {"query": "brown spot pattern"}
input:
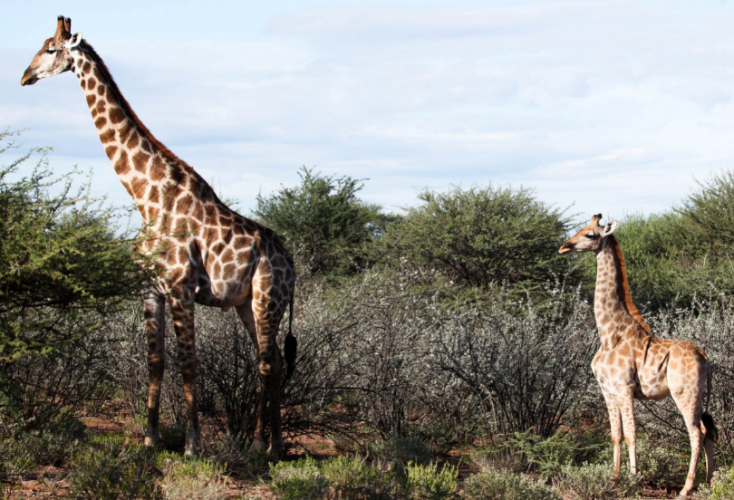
[(116, 116)]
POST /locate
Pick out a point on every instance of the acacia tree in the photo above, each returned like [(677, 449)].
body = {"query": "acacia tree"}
[(63, 269), (323, 222), (673, 256), (484, 236)]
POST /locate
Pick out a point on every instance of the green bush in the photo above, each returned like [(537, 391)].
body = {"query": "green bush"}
[(506, 485), (548, 456), (22, 451), (401, 450), (64, 272), (480, 237), (323, 222), (428, 483), (108, 468), (237, 455), (301, 480), (723, 486), (191, 479), (667, 261), (674, 256), (353, 479), (657, 465), (594, 482)]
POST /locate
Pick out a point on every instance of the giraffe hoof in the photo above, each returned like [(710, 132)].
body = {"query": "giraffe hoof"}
[(259, 445), (275, 450), (151, 440)]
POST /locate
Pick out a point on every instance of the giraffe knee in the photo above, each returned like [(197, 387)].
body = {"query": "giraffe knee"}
[(266, 368)]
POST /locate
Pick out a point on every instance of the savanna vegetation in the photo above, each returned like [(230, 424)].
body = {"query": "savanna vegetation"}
[(443, 353)]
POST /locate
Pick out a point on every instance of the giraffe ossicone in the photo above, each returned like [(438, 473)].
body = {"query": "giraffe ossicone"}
[(634, 364), (206, 253)]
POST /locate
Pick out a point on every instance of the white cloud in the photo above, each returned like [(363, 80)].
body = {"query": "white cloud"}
[(618, 104)]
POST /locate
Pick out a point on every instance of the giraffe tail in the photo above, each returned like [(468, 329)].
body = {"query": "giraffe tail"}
[(710, 432), (706, 419), (290, 349)]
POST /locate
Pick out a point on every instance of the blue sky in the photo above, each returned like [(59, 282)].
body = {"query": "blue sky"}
[(612, 107)]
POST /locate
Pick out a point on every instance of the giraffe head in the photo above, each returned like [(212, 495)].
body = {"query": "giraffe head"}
[(55, 55), (590, 238)]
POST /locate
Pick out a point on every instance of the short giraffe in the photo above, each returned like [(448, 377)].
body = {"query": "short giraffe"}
[(633, 364), (206, 253)]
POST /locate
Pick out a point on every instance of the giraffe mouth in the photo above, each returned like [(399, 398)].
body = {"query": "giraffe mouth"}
[(28, 78), (564, 249)]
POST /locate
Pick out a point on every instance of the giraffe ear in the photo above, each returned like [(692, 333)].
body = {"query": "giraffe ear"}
[(75, 40), (609, 228)]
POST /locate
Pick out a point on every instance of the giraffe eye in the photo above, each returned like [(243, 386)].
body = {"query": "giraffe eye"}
[(50, 51), (591, 236)]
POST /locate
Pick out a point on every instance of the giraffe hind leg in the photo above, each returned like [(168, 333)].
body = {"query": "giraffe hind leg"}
[(244, 311), (270, 368), (691, 408), (710, 436)]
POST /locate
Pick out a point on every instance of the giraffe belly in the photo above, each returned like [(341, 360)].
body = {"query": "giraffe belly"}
[(224, 295), (652, 384)]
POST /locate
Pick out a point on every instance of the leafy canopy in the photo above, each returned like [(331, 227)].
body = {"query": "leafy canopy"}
[(675, 255), (323, 222), (62, 267), (484, 235)]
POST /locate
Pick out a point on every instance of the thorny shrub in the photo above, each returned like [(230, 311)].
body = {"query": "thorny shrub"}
[(492, 484)]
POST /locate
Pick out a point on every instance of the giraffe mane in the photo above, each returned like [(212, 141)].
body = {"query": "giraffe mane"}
[(143, 129), (625, 285)]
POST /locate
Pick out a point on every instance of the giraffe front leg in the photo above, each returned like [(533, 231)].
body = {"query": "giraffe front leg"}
[(183, 321), (615, 424), (625, 400), (154, 312)]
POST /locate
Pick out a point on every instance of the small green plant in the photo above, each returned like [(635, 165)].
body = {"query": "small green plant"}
[(722, 489), (506, 485), (108, 468), (594, 482), (659, 466), (427, 482), (22, 451), (190, 479), (401, 450), (548, 456), (173, 436), (353, 478), (300, 480), (236, 454)]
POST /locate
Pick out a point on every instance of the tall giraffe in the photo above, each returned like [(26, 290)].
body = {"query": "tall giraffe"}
[(205, 252), (633, 364)]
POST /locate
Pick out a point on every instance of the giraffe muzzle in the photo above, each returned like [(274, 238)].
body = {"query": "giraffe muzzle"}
[(28, 78)]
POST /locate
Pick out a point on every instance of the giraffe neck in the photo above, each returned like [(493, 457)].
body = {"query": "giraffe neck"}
[(146, 168), (613, 308)]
